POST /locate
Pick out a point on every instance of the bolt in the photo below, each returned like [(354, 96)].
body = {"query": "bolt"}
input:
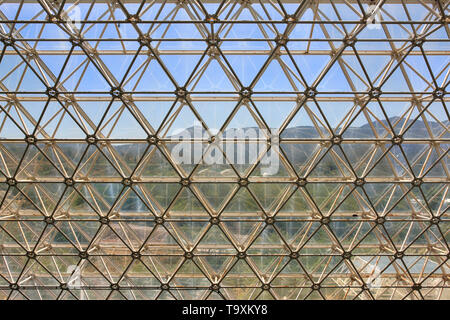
[(214, 220), (8, 41), (91, 139), (153, 139), (399, 255), (310, 92), (301, 182), (136, 255), (417, 182), (30, 139), (52, 92), (350, 41), (116, 92), (417, 42), (164, 286), (397, 140), (14, 286), (214, 287), (213, 41), (281, 40), (134, 18), (114, 286), (213, 52), (325, 220), (246, 92), (375, 92), (145, 41), (416, 286), (181, 93), (185, 182), (347, 255), (76, 41), (435, 220), (127, 182), (53, 18), (11, 182), (439, 93), (241, 255), (270, 220), (104, 220), (243, 182), (360, 182), (290, 19), (380, 220), (336, 140), (49, 220), (211, 18)]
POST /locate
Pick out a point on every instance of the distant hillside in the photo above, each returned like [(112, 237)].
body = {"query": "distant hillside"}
[(297, 153)]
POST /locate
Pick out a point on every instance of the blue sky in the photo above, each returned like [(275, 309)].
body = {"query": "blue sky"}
[(245, 66)]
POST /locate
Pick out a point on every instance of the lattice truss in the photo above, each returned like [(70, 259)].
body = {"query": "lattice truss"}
[(94, 205)]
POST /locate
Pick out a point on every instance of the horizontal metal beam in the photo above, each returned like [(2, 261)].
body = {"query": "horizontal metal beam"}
[(229, 52), (248, 1), (216, 97), (202, 216)]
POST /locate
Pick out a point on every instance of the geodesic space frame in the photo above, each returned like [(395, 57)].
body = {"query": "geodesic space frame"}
[(351, 96)]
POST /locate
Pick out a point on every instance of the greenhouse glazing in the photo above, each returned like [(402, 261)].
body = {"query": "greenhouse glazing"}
[(269, 149)]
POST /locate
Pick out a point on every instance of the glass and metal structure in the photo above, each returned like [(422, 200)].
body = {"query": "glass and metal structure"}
[(251, 149)]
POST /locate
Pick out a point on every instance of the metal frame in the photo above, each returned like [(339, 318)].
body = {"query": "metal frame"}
[(395, 245)]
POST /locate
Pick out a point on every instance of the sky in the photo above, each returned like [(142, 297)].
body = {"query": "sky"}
[(245, 66)]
